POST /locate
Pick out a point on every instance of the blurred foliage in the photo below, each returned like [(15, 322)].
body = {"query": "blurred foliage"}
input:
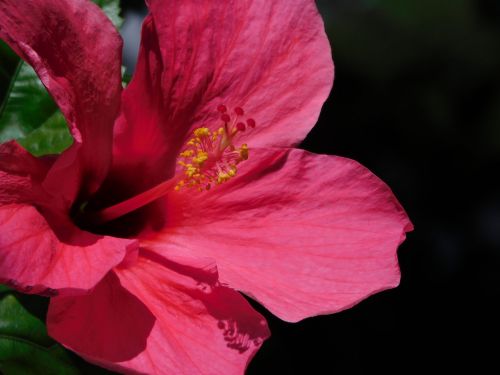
[(9, 62), (4, 289), (50, 137), (112, 10)]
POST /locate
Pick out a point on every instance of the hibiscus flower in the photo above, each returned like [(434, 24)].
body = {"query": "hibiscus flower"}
[(183, 189)]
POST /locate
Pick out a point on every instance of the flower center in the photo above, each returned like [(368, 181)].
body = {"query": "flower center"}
[(209, 158)]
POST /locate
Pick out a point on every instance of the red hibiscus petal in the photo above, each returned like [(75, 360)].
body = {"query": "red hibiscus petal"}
[(45, 254), (200, 327), (16, 160), (109, 322), (270, 57), (143, 140), (20, 174), (76, 52), (304, 234), (35, 260)]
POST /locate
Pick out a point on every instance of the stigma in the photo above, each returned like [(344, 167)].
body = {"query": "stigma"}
[(211, 157)]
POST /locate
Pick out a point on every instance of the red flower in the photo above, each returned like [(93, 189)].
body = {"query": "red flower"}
[(126, 228)]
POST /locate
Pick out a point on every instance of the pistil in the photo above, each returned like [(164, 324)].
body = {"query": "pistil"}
[(134, 203), (209, 158)]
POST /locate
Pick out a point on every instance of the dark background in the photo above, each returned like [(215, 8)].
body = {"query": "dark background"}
[(417, 100)]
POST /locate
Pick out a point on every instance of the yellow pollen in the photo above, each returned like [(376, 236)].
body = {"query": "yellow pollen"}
[(200, 158), (201, 132), (187, 153), (244, 151), (210, 158)]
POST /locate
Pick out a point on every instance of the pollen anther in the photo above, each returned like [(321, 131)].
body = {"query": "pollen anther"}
[(210, 156)]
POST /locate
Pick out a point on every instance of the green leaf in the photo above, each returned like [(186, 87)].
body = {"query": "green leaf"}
[(31, 116), (8, 65), (4, 289), (126, 77), (28, 105), (52, 137), (22, 357), (22, 316), (25, 347), (112, 10)]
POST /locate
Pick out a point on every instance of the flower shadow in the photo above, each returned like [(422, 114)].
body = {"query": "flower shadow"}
[(241, 326)]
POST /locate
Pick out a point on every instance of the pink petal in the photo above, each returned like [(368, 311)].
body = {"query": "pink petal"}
[(20, 174), (304, 234), (41, 251), (109, 322), (65, 179), (270, 57), (76, 52), (143, 140), (200, 327), (53, 257), (16, 160)]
